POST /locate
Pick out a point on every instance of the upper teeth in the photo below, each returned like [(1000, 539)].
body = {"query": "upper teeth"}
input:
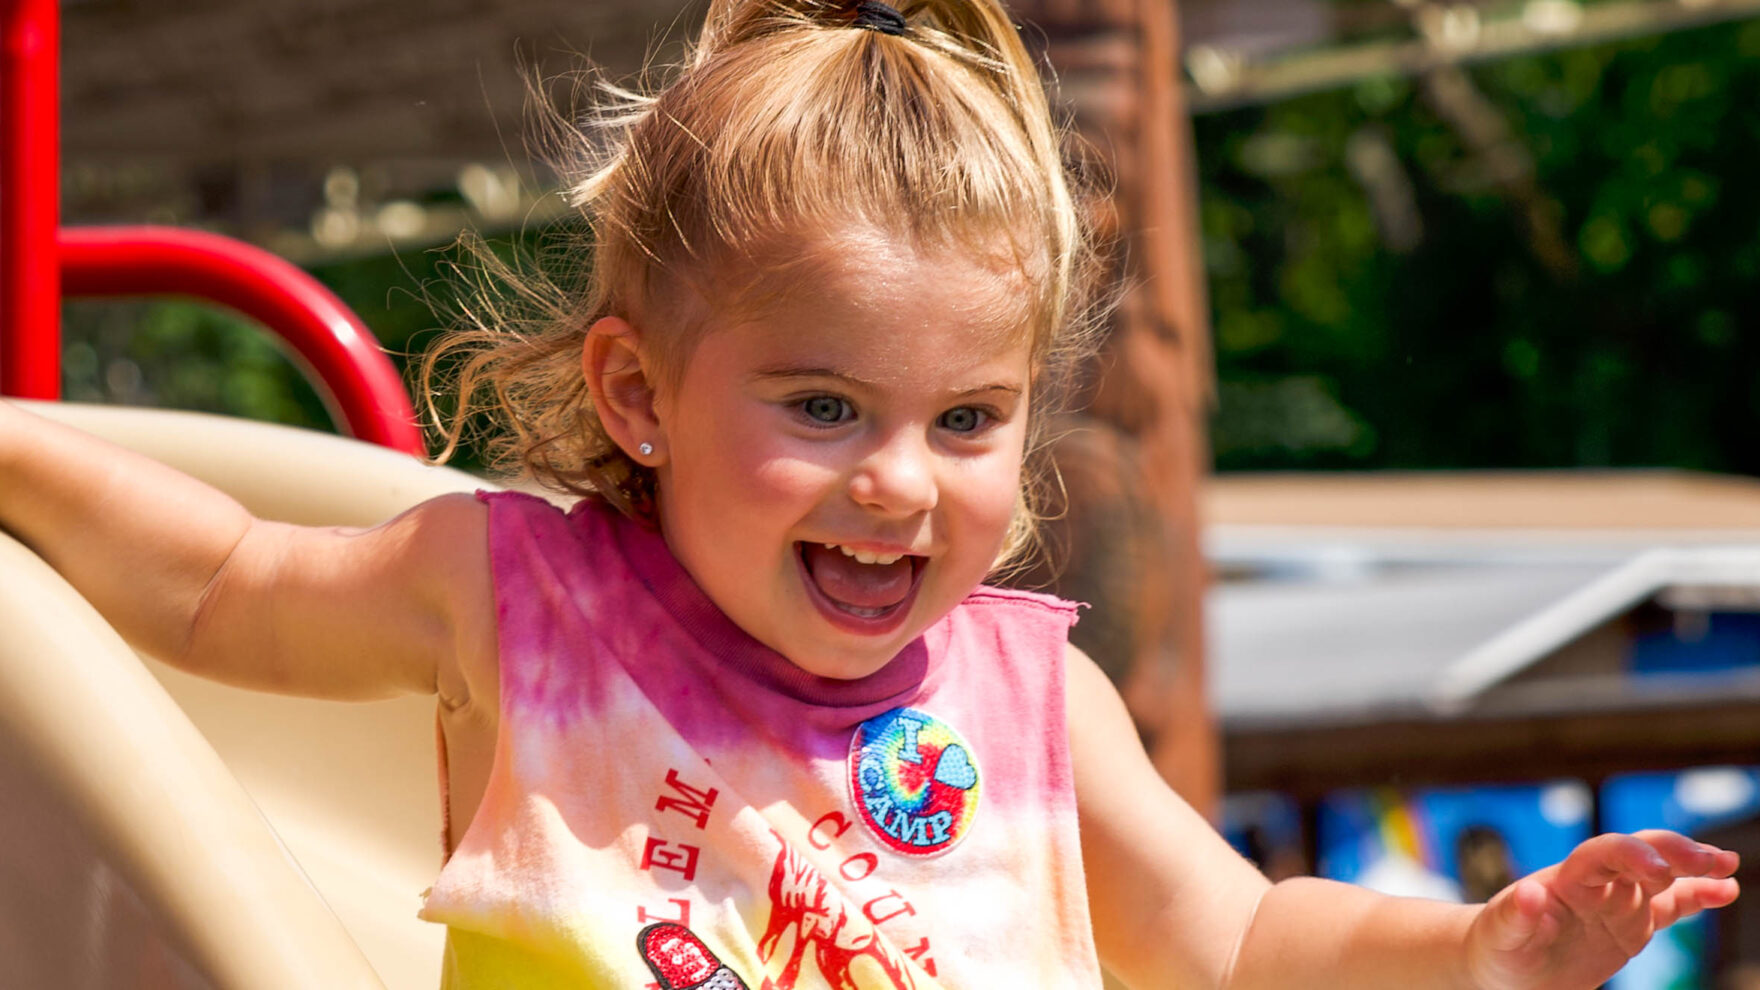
[(865, 557)]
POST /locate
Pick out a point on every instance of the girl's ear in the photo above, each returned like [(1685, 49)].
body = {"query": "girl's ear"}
[(623, 389)]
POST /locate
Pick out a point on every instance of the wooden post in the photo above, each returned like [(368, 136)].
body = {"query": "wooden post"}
[(1135, 456)]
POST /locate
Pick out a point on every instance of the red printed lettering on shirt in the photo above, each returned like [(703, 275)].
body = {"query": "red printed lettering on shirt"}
[(903, 907), (690, 802), (680, 859), (838, 825), (859, 867), (682, 917), (919, 954)]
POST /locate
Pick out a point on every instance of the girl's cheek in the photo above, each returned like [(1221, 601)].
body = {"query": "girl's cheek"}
[(786, 475), (1004, 500), (999, 476)]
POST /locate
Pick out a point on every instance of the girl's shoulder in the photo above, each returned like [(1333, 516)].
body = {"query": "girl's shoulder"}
[(1019, 627), (581, 548), (507, 501), (992, 598), (584, 520)]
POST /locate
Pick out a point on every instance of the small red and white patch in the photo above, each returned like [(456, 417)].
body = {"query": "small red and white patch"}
[(680, 960)]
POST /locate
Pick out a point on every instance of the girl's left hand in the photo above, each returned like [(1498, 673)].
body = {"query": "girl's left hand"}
[(1576, 923)]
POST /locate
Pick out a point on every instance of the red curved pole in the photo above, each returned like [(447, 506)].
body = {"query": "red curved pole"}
[(30, 184), (342, 352)]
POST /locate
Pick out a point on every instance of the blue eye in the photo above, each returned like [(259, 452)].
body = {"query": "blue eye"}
[(964, 419), (826, 409)]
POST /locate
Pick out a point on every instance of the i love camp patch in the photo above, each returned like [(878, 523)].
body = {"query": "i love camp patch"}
[(913, 781)]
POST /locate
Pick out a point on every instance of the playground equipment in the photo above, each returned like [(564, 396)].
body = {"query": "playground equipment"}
[(159, 830), (162, 830)]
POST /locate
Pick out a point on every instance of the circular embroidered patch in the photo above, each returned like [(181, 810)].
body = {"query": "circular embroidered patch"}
[(913, 781)]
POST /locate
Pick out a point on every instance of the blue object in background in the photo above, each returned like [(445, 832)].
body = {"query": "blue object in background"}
[(1689, 801), (1266, 827), (1715, 641), (1413, 843)]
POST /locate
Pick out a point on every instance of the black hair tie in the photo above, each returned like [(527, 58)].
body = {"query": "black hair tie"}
[(872, 15)]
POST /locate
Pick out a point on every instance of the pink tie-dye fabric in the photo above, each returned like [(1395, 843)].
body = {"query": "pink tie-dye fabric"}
[(675, 805)]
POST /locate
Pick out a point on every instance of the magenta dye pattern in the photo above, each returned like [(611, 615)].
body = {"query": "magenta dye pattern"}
[(657, 766)]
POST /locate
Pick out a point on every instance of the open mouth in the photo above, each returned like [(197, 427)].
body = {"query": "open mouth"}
[(858, 589)]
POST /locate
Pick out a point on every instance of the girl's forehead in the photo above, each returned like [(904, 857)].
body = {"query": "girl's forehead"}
[(941, 321), (862, 274), (938, 357)]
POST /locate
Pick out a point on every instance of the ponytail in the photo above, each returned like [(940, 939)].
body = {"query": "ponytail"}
[(977, 34)]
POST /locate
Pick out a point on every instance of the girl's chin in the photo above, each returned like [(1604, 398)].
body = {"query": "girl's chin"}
[(841, 662)]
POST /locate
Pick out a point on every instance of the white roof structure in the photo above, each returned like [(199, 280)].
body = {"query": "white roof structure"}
[(1710, 575), (1332, 651), (1359, 596)]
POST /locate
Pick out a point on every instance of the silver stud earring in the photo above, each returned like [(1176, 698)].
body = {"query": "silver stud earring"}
[(646, 449)]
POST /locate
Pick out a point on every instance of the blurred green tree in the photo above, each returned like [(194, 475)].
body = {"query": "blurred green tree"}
[(1547, 261)]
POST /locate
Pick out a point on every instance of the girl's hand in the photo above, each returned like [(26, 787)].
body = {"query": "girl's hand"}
[(1575, 924)]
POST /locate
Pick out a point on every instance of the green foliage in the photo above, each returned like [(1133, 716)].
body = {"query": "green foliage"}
[(187, 354), (183, 355), (1585, 291)]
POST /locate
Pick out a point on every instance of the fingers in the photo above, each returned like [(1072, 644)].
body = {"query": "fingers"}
[(1688, 857), (1690, 895), (1614, 858), (1650, 859)]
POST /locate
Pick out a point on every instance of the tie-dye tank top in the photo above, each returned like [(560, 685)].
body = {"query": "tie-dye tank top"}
[(673, 805)]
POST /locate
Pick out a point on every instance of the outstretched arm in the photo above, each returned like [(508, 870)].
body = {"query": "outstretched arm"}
[(1175, 906), (187, 575), (1169, 898), (1567, 927)]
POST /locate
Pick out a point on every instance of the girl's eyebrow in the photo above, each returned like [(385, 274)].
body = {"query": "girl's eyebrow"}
[(992, 387), (799, 371), (795, 371)]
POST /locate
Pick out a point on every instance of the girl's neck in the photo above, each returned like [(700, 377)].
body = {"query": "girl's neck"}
[(645, 548)]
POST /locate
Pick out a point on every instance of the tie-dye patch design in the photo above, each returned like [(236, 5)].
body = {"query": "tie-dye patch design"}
[(913, 781)]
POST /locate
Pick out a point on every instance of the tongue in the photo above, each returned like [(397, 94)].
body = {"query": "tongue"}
[(846, 581)]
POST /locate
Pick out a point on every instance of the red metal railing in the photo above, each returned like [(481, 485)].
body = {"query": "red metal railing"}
[(338, 348), (30, 187), (39, 262)]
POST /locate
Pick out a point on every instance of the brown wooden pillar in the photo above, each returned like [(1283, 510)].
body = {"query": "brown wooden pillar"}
[(1136, 454)]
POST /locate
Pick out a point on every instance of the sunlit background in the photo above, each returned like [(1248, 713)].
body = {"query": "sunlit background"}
[(1484, 283)]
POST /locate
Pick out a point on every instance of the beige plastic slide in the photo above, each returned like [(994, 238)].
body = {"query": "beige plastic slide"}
[(157, 830)]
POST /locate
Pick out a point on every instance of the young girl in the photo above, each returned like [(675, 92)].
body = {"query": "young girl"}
[(745, 716)]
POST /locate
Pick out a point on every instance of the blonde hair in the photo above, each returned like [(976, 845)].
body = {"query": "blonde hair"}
[(786, 120)]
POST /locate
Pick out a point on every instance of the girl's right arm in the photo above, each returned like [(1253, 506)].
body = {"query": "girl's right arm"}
[(187, 575), (1174, 906)]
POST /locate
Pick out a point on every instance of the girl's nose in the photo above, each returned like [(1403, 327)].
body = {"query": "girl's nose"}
[(897, 479)]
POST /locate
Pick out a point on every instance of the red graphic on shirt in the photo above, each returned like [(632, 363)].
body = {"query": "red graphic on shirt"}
[(681, 961), (802, 902)]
